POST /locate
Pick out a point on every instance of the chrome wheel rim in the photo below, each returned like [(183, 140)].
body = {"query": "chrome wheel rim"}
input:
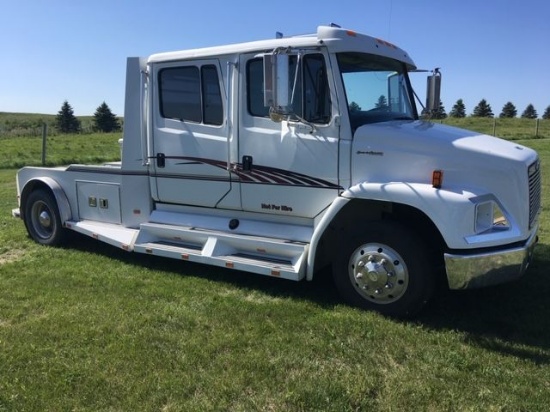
[(41, 220), (378, 273)]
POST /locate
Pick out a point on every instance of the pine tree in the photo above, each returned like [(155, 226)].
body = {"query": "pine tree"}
[(529, 112), (440, 113), (546, 114), (105, 120), (458, 110), (508, 111), (382, 103), (483, 109), (354, 107), (66, 121)]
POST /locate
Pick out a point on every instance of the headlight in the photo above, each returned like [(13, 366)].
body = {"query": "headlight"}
[(489, 216)]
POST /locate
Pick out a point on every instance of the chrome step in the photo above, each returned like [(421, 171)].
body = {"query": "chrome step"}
[(262, 255)]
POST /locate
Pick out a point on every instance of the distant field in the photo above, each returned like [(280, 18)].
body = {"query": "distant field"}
[(30, 124), (25, 124), (21, 141), (60, 150), (512, 129), (89, 327)]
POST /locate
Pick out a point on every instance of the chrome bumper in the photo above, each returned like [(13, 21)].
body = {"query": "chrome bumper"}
[(491, 268)]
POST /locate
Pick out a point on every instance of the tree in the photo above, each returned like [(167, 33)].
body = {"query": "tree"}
[(529, 112), (546, 114), (483, 109), (382, 103), (508, 110), (354, 107), (105, 120), (66, 121), (458, 110), (440, 113)]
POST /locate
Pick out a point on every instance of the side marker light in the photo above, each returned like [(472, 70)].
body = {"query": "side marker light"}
[(437, 179)]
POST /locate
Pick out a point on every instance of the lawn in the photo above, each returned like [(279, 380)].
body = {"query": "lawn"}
[(92, 328)]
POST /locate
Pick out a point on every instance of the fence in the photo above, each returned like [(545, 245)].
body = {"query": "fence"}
[(510, 129), (35, 129)]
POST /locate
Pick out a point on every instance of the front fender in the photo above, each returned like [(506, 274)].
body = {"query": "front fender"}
[(451, 211)]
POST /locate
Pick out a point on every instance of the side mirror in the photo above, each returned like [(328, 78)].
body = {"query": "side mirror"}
[(433, 94), (276, 77)]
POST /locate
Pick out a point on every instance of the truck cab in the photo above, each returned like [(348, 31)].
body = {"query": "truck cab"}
[(284, 156)]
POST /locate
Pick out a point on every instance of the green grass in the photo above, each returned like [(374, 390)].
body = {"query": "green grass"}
[(30, 124), (512, 129), (92, 328), (60, 150)]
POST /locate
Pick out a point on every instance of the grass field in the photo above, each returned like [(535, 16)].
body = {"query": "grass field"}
[(92, 328)]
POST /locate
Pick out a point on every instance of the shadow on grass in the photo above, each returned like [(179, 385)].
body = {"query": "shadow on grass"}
[(513, 319)]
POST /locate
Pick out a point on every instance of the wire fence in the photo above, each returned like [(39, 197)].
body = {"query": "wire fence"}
[(511, 129)]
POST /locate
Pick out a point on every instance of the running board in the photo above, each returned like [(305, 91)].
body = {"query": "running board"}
[(262, 255), (112, 234)]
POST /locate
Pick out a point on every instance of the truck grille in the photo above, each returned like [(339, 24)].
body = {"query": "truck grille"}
[(534, 192)]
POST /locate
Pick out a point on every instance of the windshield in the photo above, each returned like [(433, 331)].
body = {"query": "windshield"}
[(377, 89)]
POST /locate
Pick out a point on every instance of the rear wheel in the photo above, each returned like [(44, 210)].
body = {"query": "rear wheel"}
[(385, 268), (42, 218)]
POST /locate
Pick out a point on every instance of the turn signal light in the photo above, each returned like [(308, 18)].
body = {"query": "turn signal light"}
[(437, 179)]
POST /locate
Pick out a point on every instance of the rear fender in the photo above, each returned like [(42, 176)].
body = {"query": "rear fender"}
[(63, 204)]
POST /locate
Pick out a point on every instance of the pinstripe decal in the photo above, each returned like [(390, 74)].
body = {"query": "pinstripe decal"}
[(258, 174)]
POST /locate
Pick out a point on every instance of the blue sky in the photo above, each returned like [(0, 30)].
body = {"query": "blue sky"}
[(59, 50)]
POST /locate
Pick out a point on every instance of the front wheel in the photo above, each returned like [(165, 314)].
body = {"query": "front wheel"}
[(42, 219), (385, 268)]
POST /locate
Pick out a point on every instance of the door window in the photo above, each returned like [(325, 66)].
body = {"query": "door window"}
[(191, 94), (310, 92)]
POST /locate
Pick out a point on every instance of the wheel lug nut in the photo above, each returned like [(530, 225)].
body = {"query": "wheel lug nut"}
[(388, 285), (359, 276), (361, 264), (383, 261), (370, 258)]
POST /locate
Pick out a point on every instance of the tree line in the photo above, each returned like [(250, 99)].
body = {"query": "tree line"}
[(483, 109), (104, 120)]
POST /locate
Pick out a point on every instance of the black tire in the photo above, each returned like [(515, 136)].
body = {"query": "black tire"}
[(42, 219), (385, 268)]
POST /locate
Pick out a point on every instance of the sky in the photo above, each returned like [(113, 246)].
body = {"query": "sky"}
[(57, 50)]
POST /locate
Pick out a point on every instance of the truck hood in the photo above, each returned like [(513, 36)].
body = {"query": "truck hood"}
[(409, 151)]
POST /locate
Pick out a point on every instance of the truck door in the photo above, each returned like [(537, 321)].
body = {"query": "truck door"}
[(190, 135), (289, 167)]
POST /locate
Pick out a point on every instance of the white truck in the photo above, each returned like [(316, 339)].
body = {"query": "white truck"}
[(280, 157)]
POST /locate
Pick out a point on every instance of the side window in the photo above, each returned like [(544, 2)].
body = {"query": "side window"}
[(311, 99), (316, 95), (255, 88), (211, 96), (190, 94)]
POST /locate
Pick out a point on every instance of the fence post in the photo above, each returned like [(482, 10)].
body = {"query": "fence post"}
[(44, 135), (537, 128), (494, 126)]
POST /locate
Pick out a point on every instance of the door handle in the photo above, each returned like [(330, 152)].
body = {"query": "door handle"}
[(161, 160), (247, 163)]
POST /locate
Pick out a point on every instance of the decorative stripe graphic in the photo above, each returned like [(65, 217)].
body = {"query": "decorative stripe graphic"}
[(258, 174)]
